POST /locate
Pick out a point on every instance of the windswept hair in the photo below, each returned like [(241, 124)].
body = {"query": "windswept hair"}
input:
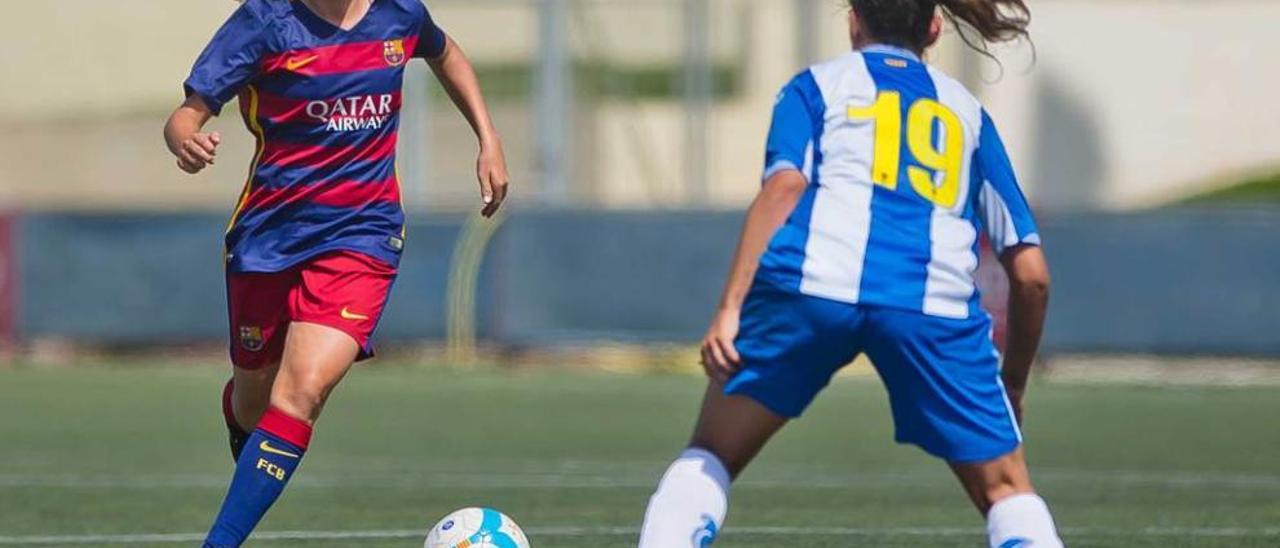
[(905, 23)]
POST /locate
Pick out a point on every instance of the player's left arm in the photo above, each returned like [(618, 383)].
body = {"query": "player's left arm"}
[(1028, 305), (458, 77), (1015, 237)]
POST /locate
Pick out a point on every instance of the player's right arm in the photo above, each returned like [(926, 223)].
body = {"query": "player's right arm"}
[(1015, 238), (230, 61), (772, 206), (184, 135), (784, 184)]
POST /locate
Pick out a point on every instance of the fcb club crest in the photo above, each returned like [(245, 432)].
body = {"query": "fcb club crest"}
[(393, 52), (251, 338)]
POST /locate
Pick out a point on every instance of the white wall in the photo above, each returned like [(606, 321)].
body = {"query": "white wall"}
[(1136, 103), (1130, 102)]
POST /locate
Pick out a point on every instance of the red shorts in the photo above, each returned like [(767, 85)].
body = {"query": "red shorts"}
[(344, 290)]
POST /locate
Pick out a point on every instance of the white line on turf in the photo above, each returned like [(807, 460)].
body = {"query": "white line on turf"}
[(1203, 532), (630, 479)]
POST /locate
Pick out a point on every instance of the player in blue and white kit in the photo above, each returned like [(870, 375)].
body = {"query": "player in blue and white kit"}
[(880, 174)]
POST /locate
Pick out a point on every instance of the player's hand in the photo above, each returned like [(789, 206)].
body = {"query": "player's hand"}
[(491, 172), (719, 357), (198, 152)]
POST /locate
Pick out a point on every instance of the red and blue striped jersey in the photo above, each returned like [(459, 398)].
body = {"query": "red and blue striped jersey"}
[(324, 104)]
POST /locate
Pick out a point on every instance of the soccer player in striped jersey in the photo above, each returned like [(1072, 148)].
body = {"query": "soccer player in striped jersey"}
[(880, 174), (313, 245)]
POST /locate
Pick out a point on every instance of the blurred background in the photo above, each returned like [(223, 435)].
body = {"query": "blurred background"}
[(1145, 135), (544, 362)]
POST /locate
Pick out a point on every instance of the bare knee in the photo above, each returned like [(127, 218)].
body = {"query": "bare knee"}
[(1000, 490), (301, 395), (316, 357), (989, 482)]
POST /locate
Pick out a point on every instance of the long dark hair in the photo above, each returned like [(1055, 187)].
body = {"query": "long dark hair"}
[(905, 23)]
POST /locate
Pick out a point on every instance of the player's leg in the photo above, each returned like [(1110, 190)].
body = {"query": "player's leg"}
[(325, 339), (989, 482), (1001, 490), (733, 428), (943, 378), (258, 312), (791, 345), (692, 499), (250, 394), (316, 357), (245, 398)]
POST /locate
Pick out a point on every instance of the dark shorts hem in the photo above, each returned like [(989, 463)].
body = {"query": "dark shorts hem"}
[(762, 397), (963, 457), (255, 365)]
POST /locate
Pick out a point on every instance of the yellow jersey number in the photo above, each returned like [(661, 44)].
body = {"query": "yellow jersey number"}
[(946, 158)]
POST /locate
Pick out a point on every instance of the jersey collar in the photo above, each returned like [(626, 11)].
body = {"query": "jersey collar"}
[(892, 50)]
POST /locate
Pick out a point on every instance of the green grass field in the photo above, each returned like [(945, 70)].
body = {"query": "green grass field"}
[(1261, 190), (136, 456)]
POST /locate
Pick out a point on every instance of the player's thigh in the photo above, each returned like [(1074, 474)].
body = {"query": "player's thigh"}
[(943, 379), (734, 428), (316, 357), (334, 308), (990, 481)]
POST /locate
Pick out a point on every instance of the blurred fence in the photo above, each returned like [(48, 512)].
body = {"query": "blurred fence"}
[(1166, 282)]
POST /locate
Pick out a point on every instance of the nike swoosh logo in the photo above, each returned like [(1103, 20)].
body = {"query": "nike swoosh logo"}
[(349, 315), (266, 446), (299, 62)]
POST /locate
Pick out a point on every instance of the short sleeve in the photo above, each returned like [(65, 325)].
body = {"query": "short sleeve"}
[(1005, 213), (797, 118), (230, 61), (431, 39)]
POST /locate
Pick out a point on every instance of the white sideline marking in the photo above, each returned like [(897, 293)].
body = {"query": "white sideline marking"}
[(602, 480), (1203, 532)]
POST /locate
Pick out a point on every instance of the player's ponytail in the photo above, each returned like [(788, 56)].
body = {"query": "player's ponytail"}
[(994, 20), (905, 23)]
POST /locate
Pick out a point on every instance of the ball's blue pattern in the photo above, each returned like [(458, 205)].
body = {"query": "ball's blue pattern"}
[(490, 531)]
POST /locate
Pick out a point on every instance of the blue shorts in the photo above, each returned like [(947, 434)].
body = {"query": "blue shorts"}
[(943, 375)]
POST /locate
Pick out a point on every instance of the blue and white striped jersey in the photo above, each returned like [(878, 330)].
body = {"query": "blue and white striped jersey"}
[(905, 167)]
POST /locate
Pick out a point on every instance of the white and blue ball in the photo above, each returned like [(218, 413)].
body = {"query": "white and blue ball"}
[(476, 528)]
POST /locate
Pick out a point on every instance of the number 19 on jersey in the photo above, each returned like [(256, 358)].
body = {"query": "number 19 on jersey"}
[(943, 157)]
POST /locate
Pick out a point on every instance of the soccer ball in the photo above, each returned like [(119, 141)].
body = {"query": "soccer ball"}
[(476, 528)]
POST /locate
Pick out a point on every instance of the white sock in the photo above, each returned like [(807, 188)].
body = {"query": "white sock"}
[(1022, 521), (689, 506)]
